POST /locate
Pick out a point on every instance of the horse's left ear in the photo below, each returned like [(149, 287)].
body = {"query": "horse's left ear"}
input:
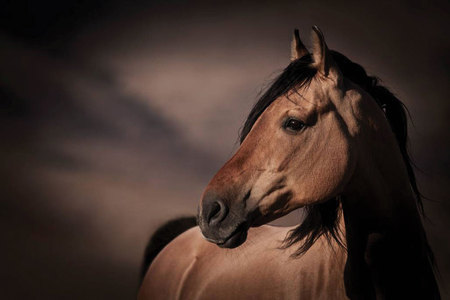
[(323, 60)]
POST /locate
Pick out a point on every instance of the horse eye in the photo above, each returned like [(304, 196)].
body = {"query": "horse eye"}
[(293, 125)]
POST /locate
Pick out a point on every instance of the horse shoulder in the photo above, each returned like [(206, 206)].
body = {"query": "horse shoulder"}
[(166, 275), (192, 268)]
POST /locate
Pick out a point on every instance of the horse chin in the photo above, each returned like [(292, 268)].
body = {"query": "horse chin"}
[(239, 235), (235, 240)]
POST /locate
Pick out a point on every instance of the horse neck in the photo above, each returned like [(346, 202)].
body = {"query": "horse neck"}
[(388, 255)]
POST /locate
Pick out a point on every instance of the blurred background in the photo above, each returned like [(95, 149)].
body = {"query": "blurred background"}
[(114, 115)]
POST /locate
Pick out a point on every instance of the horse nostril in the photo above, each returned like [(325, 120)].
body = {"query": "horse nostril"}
[(215, 209), (217, 212)]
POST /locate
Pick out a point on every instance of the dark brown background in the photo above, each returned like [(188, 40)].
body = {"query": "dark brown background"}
[(114, 116)]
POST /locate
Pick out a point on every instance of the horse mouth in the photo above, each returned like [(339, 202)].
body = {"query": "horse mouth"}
[(236, 238)]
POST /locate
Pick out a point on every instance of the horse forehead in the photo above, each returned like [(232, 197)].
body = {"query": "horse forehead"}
[(304, 100), (328, 95), (319, 93)]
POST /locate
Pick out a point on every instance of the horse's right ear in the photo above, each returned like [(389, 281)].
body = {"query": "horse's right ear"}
[(297, 48), (322, 57)]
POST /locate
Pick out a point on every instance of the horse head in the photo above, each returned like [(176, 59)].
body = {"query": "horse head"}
[(297, 147)]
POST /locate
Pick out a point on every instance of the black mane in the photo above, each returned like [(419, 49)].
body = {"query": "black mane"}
[(322, 219)]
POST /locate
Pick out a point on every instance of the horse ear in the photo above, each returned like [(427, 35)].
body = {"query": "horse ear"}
[(297, 48), (323, 60)]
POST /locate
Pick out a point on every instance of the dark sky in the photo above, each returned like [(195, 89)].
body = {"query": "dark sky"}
[(115, 115)]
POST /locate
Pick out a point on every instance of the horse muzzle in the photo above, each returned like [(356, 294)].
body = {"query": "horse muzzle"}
[(222, 224)]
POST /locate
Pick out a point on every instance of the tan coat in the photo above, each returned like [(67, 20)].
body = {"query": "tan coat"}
[(192, 268)]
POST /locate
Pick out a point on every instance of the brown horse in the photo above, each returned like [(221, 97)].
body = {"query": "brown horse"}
[(329, 138)]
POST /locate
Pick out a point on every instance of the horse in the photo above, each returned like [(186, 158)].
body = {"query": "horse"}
[(328, 138)]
